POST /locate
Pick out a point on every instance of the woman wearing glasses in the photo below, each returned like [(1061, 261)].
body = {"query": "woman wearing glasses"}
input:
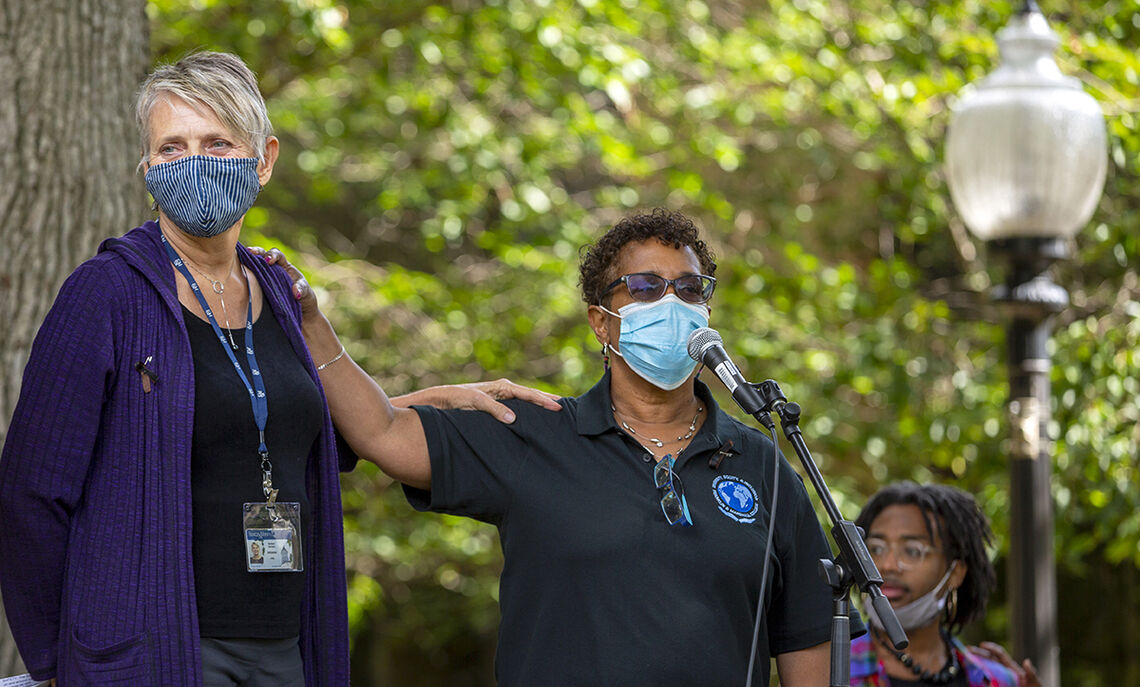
[(633, 522), (929, 543)]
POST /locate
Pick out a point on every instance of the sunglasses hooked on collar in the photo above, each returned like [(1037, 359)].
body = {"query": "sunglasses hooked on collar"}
[(672, 493)]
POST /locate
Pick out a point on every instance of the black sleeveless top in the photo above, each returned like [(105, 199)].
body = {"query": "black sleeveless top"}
[(225, 472)]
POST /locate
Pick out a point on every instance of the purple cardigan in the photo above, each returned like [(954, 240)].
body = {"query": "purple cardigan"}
[(95, 514)]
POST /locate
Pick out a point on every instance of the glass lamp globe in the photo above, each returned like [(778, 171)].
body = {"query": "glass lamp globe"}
[(1026, 149)]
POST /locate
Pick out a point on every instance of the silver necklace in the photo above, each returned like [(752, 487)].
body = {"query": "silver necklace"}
[(218, 287), (657, 442)]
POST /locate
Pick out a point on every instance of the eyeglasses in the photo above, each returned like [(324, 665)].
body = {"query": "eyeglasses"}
[(648, 287), (908, 554), (672, 493)]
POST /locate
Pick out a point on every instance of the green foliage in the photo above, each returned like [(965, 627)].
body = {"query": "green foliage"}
[(443, 162)]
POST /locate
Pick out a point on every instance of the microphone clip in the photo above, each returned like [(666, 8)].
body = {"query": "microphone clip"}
[(771, 395), (725, 451)]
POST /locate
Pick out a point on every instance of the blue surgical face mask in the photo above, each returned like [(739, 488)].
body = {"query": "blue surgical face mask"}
[(654, 339), (204, 195)]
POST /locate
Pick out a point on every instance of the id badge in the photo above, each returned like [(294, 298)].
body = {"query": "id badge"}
[(272, 537)]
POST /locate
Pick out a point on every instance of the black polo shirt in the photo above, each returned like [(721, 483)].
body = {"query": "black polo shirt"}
[(597, 588)]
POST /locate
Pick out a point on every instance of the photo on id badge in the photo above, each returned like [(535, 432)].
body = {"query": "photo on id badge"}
[(270, 549)]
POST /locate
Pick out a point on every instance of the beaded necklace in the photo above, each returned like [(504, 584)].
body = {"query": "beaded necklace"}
[(658, 442), (942, 677)]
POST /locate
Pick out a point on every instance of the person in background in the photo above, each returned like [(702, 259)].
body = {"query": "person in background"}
[(929, 544), (169, 398), (634, 522)]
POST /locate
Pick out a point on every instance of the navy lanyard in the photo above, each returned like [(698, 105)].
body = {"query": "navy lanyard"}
[(257, 397)]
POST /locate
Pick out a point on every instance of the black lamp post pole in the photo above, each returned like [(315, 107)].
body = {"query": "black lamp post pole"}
[(1032, 299)]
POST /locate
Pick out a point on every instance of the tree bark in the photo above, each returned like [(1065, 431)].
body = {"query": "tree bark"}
[(68, 72)]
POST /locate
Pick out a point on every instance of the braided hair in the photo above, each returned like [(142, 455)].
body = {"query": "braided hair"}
[(962, 528)]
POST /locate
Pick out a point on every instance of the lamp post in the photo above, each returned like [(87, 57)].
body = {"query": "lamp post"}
[(1025, 162)]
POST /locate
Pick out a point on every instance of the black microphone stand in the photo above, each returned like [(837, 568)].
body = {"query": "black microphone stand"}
[(853, 565)]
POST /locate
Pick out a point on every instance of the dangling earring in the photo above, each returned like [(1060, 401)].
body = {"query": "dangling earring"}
[(952, 606), (605, 357)]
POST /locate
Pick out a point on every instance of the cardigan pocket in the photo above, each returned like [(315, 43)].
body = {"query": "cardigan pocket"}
[(122, 663)]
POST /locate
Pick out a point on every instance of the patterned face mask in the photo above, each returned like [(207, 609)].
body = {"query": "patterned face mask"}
[(203, 195), (654, 339)]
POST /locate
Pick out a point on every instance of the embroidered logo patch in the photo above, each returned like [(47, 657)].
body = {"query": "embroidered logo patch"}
[(735, 498)]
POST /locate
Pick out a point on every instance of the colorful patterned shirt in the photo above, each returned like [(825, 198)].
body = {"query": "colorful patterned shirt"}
[(868, 671)]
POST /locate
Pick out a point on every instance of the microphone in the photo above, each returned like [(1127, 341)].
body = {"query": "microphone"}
[(706, 346)]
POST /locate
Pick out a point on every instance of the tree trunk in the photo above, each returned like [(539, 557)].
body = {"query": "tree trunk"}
[(68, 71)]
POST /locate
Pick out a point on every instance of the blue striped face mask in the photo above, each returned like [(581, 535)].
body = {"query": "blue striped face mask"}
[(204, 195)]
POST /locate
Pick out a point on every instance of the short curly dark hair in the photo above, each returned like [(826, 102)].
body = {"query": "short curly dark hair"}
[(963, 529), (597, 264)]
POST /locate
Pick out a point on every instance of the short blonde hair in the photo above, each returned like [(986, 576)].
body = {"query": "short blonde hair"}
[(220, 81)]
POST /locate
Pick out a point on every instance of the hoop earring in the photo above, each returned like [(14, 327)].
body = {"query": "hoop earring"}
[(952, 605)]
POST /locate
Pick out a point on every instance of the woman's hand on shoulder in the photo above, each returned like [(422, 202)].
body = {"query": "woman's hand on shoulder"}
[(301, 289), (1026, 673), (484, 396)]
